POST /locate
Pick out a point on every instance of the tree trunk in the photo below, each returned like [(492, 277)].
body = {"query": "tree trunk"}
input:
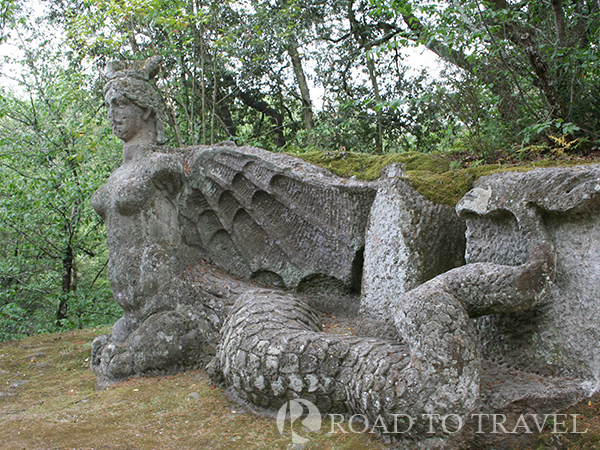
[(213, 112), (359, 33), (67, 278), (200, 37), (307, 111), (131, 35), (225, 117), (173, 119), (373, 78), (275, 116), (559, 22), (539, 66)]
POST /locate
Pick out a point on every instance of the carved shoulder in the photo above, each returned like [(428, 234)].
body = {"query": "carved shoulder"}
[(166, 172)]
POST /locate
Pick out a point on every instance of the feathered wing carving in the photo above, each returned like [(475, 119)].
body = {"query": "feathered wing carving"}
[(274, 218)]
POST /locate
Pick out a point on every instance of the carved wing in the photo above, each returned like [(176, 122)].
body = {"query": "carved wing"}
[(275, 218)]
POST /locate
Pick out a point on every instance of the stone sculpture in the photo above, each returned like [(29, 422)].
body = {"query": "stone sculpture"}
[(169, 211), (559, 336), (177, 218), (149, 265), (436, 367)]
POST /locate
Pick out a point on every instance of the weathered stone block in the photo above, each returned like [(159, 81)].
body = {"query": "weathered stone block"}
[(408, 241), (560, 336)]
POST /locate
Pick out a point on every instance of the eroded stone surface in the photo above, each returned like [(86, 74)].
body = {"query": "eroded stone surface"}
[(276, 219), (560, 335), (273, 350), (524, 402), (408, 241)]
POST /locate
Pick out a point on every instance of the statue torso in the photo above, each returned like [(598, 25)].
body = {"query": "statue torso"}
[(139, 206)]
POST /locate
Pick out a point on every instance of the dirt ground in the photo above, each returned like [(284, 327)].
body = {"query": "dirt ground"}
[(48, 400)]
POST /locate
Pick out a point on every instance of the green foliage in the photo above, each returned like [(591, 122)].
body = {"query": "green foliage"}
[(225, 74), (547, 127), (54, 154), (13, 322), (514, 68), (518, 79)]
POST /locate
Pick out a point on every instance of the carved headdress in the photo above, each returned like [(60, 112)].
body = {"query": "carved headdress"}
[(131, 79)]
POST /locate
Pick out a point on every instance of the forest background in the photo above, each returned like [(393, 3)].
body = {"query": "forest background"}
[(517, 80)]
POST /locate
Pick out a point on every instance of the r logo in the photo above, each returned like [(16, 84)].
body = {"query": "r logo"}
[(312, 420)]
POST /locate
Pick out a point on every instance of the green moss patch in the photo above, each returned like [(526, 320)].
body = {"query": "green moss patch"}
[(430, 174), (366, 166)]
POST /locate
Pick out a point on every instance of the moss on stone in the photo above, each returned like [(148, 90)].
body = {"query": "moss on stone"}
[(366, 166), (430, 174)]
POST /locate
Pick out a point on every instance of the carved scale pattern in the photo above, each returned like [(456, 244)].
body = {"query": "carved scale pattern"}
[(274, 218)]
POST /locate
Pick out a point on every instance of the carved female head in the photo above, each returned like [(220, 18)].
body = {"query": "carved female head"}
[(130, 92)]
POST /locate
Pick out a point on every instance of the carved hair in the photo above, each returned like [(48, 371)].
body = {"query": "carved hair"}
[(132, 81)]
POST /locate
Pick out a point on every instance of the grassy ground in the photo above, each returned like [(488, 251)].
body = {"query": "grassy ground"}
[(48, 401)]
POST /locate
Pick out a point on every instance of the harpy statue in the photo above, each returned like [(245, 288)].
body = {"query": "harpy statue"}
[(148, 265), (176, 217)]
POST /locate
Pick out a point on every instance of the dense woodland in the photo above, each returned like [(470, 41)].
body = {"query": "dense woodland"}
[(517, 79)]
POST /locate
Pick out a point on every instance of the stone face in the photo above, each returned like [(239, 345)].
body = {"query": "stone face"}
[(275, 219), (408, 241), (560, 335)]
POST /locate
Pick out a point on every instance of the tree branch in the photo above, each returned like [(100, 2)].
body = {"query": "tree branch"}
[(559, 22), (35, 244), (557, 107)]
